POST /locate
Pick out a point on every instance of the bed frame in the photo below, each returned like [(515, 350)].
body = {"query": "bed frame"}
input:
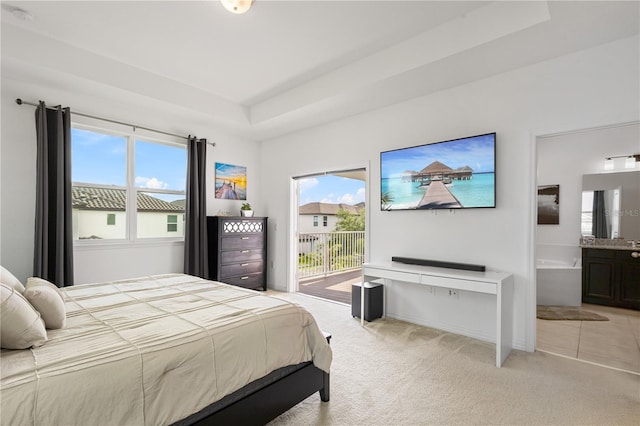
[(269, 401)]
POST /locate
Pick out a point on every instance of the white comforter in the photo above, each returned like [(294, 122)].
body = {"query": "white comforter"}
[(152, 351)]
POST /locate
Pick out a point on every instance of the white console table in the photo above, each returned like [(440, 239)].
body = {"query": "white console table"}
[(499, 284)]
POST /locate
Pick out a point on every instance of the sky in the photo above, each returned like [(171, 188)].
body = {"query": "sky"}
[(101, 159), (477, 152), (331, 189)]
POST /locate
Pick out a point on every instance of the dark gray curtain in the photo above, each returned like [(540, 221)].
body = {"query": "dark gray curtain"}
[(53, 250), (600, 229), (195, 227)]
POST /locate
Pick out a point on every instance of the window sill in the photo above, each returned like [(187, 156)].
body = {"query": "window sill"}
[(123, 244)]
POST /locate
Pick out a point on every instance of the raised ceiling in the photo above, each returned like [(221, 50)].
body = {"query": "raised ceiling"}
[(287, 65)]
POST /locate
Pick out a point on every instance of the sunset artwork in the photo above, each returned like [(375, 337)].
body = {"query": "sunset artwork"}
[(231, 182)]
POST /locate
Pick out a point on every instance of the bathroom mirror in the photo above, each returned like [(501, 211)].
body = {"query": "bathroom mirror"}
[(611, 205)]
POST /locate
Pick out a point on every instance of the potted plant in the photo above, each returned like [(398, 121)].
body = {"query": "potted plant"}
[(246, 210)]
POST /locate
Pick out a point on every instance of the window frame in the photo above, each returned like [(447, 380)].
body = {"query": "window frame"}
[(171, 223), (131, 135)]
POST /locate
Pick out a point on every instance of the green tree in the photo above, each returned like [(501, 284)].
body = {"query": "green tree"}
[(349, 221), (386, 199)]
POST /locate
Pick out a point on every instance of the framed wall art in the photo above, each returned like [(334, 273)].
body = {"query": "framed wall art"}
[(231, 182), (549, 205)]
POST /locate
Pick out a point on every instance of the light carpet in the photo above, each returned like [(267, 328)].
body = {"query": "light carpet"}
[(395, 373)]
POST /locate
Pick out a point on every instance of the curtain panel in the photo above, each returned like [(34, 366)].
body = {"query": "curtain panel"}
[(600, 224), (196, 258), (53, 248)]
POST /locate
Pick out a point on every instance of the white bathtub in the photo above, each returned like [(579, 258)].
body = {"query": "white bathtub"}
[(559, 275)]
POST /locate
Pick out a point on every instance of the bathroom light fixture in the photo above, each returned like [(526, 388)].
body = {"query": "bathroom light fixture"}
[(629, 162), (608, 163), (237, 6)]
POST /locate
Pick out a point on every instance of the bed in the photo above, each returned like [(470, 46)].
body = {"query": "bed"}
[(167, 349)]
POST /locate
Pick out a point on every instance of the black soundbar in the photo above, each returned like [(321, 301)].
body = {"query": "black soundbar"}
[(438, 263)]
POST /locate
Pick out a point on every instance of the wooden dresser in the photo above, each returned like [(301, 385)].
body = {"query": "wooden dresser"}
[(238, 251)]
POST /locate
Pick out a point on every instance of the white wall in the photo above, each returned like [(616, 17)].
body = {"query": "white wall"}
[(564, 158), (596, 87), (18, 162)]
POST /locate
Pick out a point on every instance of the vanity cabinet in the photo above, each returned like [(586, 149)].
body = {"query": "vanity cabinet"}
[(238, 251), (611, 277)]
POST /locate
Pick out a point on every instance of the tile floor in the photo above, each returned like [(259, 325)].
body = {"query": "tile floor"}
[(614, 343)]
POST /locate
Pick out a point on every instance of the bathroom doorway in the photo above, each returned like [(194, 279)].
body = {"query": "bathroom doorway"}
[(613, 342)]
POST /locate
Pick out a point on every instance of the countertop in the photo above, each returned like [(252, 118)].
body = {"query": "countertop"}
[(609, 247)]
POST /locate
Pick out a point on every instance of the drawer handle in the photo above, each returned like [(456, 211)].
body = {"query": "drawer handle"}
[(635, 254), (244, 238), (245, 251), (244, 278), (244, 264)]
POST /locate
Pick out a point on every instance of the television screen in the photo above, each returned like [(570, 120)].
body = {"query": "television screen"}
[(455, 174)]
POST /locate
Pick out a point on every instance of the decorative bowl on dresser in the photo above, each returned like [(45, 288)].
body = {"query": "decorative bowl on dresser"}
[(238, 251)]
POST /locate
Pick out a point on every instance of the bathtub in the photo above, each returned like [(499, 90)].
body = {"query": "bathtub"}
[(558, 275)]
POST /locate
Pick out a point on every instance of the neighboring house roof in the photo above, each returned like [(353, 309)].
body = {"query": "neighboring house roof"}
[(90, 198), (328, 208)]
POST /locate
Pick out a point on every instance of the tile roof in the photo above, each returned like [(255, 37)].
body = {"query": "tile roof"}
[(328, 208), (92, 198)]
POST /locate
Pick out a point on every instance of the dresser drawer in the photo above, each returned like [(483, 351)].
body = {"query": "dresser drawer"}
[(245, 268), (238, 251), (241, 242), (253, 281), (236, 256)]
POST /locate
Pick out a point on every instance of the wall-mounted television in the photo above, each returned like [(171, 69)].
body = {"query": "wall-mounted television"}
[(453, 174)]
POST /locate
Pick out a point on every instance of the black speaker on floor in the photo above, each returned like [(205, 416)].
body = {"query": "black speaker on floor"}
[(372, 300)]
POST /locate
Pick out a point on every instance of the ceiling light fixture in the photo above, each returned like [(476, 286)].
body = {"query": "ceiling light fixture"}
[(21, 14), (237, 6)]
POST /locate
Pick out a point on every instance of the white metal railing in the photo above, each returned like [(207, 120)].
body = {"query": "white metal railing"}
[(323, 253)]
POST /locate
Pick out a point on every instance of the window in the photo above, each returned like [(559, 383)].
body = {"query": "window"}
[(172, 223), (315, 221), (325, 221), (139, 182)]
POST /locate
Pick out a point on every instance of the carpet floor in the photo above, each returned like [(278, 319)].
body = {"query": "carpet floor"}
[(395, 373)]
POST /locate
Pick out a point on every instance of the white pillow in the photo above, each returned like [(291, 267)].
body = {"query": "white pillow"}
[(49, 303), (20, 324), (35, 281), (9, 279)]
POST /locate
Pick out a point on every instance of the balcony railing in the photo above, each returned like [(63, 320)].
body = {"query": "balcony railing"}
[(324, 253)]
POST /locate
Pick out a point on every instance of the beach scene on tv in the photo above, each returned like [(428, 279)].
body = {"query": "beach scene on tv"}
[(453, 174)]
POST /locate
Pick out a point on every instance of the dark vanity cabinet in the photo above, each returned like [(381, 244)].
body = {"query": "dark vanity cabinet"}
[(238, 251), (611, 277)]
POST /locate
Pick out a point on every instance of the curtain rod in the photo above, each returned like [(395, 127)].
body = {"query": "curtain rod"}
[(134, 126)]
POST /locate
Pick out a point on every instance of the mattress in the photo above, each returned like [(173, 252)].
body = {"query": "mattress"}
[(154, 350)]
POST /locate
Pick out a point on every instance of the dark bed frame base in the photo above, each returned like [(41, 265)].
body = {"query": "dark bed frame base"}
[(266, 404)]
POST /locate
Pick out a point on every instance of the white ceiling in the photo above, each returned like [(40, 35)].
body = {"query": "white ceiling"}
[(287, 65)]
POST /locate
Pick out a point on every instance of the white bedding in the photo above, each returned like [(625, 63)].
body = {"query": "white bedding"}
[(152, 351)]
